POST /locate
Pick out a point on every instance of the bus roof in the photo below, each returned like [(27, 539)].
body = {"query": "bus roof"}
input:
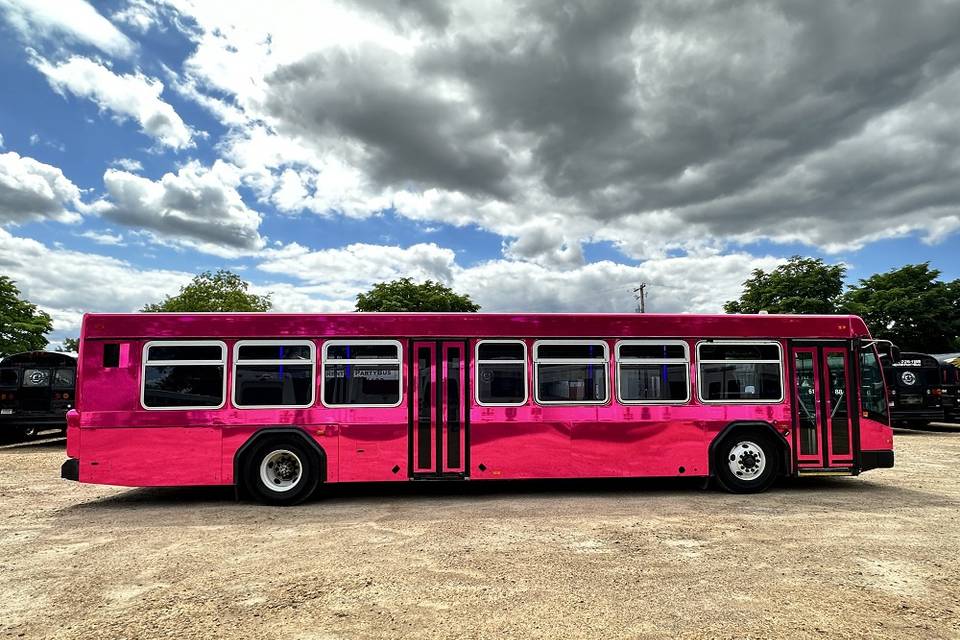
[(479, 325), (39, 358)]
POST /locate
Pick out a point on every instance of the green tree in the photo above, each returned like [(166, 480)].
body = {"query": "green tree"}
[(406, 295), (69, 345), (909, 306), (802, 285), (22, 325), (220, 291)]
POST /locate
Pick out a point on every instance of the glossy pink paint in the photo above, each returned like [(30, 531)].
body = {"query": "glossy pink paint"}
[(119, 442)]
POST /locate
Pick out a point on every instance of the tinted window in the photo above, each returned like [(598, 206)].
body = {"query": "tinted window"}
[(184, 352), (111, 355), (502, 383), (370, 384), (8, 377), (571, 383), (653, 351), (274, 352), (740, 381), (570, 351), (273, 385), (653, 382), (739, 352), (63, 377), (362, 352), (183, 386), (500, 351)]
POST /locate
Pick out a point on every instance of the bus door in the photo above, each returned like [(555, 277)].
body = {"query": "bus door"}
[(438, 415), (823, 407)]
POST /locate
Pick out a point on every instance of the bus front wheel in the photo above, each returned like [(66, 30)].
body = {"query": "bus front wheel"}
[(746, 462), (281, 471)]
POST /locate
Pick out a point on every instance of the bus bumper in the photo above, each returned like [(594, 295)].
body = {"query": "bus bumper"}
[(876, 460), (70, 470)]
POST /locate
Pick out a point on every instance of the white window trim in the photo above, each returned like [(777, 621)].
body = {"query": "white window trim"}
[(740, 342), (656, 361), (476, 372), (275, 361), (595, 361), (361, 361), (169, 363)]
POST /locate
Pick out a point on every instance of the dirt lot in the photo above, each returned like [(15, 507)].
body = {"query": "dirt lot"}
[(874, 556)]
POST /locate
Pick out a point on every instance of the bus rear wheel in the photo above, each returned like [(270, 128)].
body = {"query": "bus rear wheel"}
[(281, 471), (746, 462)]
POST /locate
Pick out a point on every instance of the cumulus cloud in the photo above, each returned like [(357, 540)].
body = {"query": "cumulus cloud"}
[(127, 164), (74, 19), (139, 14), (344, 272), (67, 284), (655, 126), (131, 95), (32, 190), (334, 277), (197, 207), (106, 237)]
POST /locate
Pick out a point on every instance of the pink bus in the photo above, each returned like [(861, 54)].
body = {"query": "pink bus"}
[(277, 404)]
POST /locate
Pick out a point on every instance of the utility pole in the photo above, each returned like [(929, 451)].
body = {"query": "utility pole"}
[(639, 294)]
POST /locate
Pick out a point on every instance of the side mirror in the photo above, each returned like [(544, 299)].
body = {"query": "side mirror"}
[(887, 350)]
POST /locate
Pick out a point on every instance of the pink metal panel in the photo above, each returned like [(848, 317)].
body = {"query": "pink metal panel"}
[(151, 457), (469, 325)]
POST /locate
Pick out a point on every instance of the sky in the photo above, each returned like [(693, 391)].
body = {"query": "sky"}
[(539, 156)]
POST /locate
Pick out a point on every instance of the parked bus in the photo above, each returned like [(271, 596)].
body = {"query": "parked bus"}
[(36, 391), (950, 381), (916, 389), (279, 403)]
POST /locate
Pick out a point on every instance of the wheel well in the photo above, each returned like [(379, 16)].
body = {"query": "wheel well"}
[(273, 432), (756, 426)]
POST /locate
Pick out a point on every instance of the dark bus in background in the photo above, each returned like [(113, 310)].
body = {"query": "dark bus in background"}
[(950, 382), (36, 391), (916, 389)]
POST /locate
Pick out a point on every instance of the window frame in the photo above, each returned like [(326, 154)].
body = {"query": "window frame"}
[(274, 361), (476, 371), (361, 361), (684, 361), (606, 371), (144, 363), (741, 342)]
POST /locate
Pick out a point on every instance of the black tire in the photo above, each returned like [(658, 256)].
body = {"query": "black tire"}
[(274, 457), (749, 451)]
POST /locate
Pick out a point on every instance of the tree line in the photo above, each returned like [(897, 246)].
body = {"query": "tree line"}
[(911, 305)]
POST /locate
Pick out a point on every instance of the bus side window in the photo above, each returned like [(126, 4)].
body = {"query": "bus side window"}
[(501, 378), (745, 372)]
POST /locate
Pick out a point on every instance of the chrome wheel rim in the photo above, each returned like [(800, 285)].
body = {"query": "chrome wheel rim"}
[(746, 460), (281, 470)]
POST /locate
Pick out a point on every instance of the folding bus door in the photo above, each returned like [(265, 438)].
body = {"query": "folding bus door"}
[(438, 411), (823, 410)]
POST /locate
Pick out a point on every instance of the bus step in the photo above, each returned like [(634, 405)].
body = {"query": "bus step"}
[(833, 471)]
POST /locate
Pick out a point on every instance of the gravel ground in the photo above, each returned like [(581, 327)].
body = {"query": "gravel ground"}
[(874, 556)]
